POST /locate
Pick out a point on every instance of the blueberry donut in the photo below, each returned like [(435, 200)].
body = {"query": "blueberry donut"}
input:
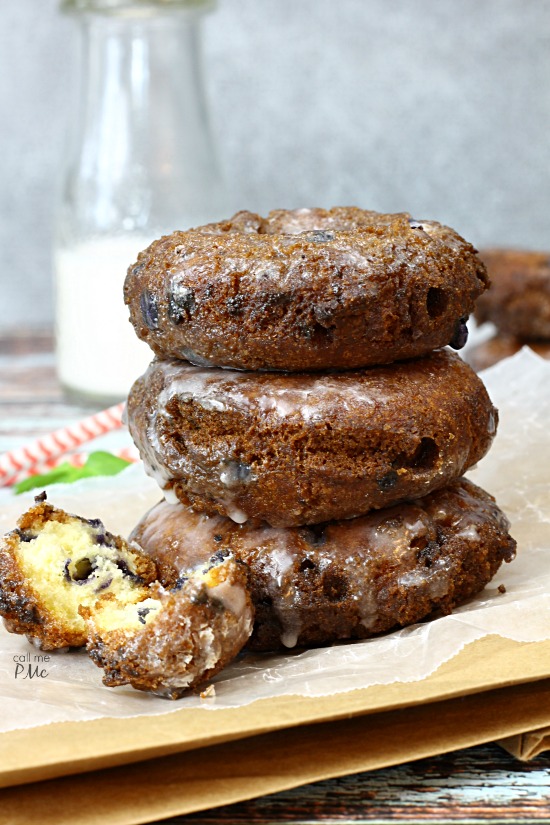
[(518, 302), (307, 289), (178, 637), (346, 579), (67, 582), (294, 449), (55, 562)]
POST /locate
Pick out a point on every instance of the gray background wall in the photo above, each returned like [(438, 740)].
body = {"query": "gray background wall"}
[(440, 108)]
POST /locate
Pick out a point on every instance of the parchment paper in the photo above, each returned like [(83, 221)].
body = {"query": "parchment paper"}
[(516, 471)]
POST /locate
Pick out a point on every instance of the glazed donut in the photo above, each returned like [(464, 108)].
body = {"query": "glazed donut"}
[(301, 449), (308, 289), (346, 579), (518, 302), (66, 582)]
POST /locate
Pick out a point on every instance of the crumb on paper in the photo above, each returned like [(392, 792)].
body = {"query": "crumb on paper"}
[(209, 692), (501, 588)]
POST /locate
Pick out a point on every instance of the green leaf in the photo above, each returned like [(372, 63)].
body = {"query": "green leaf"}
[(104, 464), (99, 463)]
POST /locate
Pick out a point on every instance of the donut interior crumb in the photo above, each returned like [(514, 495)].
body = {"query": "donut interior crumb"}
[(127, 609), (122, 613), (69, 569)]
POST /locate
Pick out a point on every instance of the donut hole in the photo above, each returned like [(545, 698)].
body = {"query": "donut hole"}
[(427, 553), (316, 332), (437, 302), (424, 457), (388, 481), (315, 535), (121, 613), (335, 587)]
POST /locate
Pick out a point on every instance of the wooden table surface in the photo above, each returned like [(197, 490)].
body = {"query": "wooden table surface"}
[(481, 784)]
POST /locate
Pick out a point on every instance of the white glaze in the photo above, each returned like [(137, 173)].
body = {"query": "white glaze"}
[(278, 563), (436, 579), (170, 496), (216, 389), (386, 536), (232, 596), (469, 532), (206, 468), (289, 638), (234, 513), (189, 531)]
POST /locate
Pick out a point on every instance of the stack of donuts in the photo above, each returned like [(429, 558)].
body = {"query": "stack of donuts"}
[(309, 430), (304, 415), (517, 304)]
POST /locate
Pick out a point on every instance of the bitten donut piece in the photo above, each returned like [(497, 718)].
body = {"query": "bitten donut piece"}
[(67, 582), (53, 563), (300, 449), (306, 289), (347, 579), (518, 302), (176, 638)]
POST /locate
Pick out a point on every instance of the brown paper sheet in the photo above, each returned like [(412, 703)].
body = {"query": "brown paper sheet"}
[(223, 774), (529, 745), (34, 754)]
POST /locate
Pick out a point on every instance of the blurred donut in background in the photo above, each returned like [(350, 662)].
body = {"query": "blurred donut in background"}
[(517, 304)]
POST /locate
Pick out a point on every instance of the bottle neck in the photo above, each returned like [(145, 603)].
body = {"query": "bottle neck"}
[(142, 158)]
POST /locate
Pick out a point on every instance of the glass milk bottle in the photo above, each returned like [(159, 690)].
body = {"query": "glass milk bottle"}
[(141, 164)]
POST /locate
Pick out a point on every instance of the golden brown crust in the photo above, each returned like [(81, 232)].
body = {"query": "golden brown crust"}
[(22, 608), (309, 289), (347, 579), (199, 630), (300, 449), (518, 301)]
